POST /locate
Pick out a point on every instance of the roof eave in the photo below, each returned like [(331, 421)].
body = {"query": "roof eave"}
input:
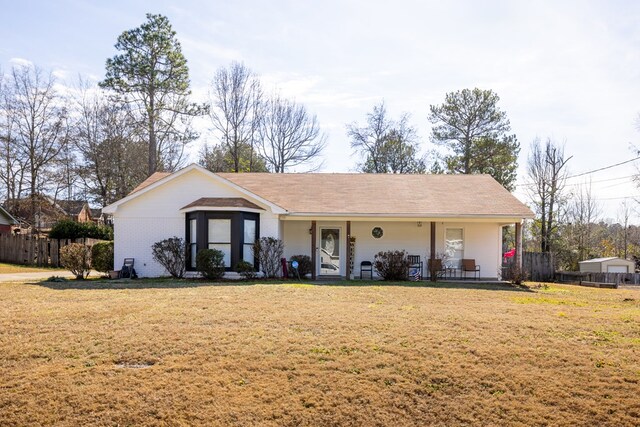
[(410, 215), (219, 208)]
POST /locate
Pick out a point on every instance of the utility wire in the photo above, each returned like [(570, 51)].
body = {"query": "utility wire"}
[(588, 172), (614, 198), (603, 168)]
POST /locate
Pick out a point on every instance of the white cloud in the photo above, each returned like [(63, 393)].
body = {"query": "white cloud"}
[(59, 74), (21, 62)]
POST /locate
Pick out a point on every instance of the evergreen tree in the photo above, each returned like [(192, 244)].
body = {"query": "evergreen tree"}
[(475, 132)]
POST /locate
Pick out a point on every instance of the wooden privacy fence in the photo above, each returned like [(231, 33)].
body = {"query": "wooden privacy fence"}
[(538, 266), (613, 278), (29, 249)]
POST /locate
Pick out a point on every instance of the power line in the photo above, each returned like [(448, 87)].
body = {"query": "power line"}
[(529, 184), (615, 198), (603, 168), (589, 172)]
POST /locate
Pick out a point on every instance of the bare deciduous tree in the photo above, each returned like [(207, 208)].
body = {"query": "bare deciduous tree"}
[(388, 146), (111, 152), (583, 211), (217, 158), (289, 136), (11, 162), (624, 214), (40, 125), (546, 167), (236, 106)]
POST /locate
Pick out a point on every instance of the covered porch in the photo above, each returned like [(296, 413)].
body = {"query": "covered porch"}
[(338, 246)]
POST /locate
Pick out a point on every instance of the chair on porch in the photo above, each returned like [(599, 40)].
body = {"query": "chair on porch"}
[(415, 262), (366, 266), (436, 268), (469, 265)]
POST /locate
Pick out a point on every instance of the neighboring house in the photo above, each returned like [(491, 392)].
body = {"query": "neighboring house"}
[(316, 214), (77, 210), (49, 211), (96, 216), (607, 265), (7, 221)]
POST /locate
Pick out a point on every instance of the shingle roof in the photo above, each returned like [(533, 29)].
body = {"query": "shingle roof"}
[(71, 207), (222, 202), (388, 194), (156, 176), (378, 194)]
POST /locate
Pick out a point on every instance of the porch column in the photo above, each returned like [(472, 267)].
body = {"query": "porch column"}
[(519, 244), (313, 250), (432, 255), (348, 246)]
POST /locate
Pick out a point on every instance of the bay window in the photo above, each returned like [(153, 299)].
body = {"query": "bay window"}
[(232, 233)]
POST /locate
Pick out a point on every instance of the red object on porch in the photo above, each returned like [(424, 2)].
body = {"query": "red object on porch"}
[(285, 272), (509, 254)]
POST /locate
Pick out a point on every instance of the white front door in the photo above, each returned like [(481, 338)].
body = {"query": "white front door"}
[(330, 251)]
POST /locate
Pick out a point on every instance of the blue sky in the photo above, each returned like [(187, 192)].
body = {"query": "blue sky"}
[(563, 69)]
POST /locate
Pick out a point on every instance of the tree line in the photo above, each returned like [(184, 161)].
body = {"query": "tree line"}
[(98, 142), (569, 221)]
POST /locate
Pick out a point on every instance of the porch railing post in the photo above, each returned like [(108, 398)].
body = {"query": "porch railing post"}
[(432, 255), (313, 250), (519, 245)]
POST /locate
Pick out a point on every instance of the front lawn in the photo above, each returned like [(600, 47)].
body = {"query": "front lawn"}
[(15, 268), (184, 353)]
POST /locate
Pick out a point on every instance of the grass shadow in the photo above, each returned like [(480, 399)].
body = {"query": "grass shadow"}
[(475, 285), (171, 283), (121, 284)]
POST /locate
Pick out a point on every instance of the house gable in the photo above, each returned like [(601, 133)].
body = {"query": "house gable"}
[(184, 187), (6, 218)]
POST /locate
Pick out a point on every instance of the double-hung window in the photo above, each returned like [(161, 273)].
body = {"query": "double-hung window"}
[(192, 242), (220, 238), (250, 237)]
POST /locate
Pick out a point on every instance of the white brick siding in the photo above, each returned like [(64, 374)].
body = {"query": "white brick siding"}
[(155, 215)]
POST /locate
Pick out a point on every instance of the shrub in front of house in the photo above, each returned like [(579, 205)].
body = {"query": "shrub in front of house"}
[(69, 229), (515, 274), (246, 270), (95, 231), (304, 265), (269, 251), (102, 256), (171, 254), (392, 265), (76, 258), (210, 263)]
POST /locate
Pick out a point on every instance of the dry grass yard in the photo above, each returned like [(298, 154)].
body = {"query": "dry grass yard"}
[(15, 268), (161, 353)]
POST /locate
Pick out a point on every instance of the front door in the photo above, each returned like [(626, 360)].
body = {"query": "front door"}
[(330, 251)]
